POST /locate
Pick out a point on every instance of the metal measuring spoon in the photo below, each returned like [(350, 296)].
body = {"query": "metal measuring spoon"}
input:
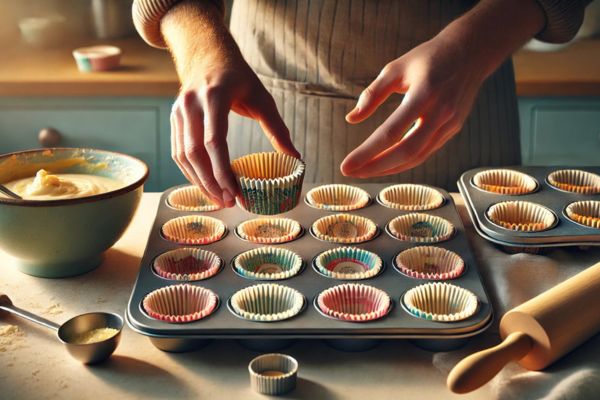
[(9, 192), (86, 353)]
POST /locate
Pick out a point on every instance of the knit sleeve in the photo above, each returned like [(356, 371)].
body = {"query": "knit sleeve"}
[(563, 19), (148, 13)]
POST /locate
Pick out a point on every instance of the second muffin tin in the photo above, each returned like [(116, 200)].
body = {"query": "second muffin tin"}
[(310, 323)]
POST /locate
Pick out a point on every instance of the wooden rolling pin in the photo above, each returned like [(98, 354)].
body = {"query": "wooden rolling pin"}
[(538, 332)]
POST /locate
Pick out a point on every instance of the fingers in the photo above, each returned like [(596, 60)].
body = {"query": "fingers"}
[(177, 147)]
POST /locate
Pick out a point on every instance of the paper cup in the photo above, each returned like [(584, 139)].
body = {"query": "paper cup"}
[(354, 302), (193, 229), (187, 264), (521, 216), (585, 212), (269, 230), (411, 197), (440, 301), (576, 181), (268, 263), (344, 228), (337, 197), (429, 262), (349, 263), (271, 183), (421, 228), (267, 302), (191, 198), (273, 374), (180, 303), (505, 181)]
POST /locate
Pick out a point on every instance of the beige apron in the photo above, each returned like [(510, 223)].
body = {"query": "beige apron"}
[(315, 57)]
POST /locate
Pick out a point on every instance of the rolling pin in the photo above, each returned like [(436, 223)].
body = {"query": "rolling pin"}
[(538, 332)]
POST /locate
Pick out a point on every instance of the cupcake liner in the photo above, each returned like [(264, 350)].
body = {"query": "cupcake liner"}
[(269, 230), (354, 302), (411, 197), (191, 198), (429, 262), (521, 216), (187, 264), (348, 263), (440, 301), (271, 183), (504, 181), (576, 181), (344, 228), (585, 212), (268, 263), (267, 302), (180, 303), (421, 228), (273, 374), (337, 197), (193, 229)]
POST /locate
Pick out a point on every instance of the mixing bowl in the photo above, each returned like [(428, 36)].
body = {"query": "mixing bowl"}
[(60, 238)]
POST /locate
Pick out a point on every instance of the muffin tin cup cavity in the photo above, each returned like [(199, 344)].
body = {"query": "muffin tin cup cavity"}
[(420, 228), (273, 374), (269, 230), (271, 182), (575, 181), (585, 212), (268, 263), (344, 228), (430, 262), (193, 229), (440, 301), (191, 198), (505, 181), (521, 216), (348, 263), (180, 303), (338, 197), (410, 197), (354, 302), (267, 303), (187, 264)]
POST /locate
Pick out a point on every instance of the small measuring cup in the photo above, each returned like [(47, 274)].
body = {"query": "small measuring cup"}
[(90, 353)]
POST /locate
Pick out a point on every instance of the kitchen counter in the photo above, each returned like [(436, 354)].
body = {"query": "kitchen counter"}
[(33, 364), (573, 71)]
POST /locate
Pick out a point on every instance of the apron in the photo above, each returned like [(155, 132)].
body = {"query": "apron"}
[(315, 57)]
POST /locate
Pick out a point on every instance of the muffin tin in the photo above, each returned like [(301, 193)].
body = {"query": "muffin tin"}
[(310, 323), (564, 232)]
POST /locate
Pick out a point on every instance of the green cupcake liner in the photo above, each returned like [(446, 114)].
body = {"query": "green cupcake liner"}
[(268, 263), (349, 263)]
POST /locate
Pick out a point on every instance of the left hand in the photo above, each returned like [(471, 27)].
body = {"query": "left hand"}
[(440, 83)]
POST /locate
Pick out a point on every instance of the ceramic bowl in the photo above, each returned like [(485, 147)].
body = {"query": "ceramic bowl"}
[(60, 238)]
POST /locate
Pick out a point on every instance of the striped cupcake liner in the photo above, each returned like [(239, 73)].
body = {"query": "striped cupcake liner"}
[(410, 197), (521, 216), (268, 263), (269, 230), (273, 374), (440, 301), (194, 229), (338, 197), (191, 198), (505, 181), (348, 263), (420, 228), (180, 303), (187, 264), (344, 228), (575, 181), (267, 303), (354, 302), (271, 183), (429, 262), (585, 213)]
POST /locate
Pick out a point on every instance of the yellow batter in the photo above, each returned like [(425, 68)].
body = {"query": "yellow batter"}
[(46, 186)]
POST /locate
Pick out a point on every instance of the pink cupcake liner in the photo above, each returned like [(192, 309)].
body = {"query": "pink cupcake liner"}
[(354, 302), (187, 264), (180, 303), (429, 262)]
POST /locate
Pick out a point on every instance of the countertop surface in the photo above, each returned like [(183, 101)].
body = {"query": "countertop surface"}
[(34, 365), (24, 71)]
